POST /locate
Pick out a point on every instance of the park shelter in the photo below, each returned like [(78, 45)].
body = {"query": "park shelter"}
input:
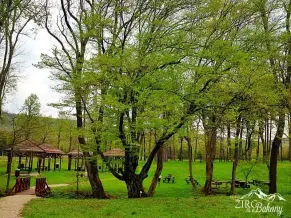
[(24, 149), (50, 153), (77, 155), (116, 158)]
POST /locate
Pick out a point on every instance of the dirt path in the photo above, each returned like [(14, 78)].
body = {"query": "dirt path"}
[(11, 206)]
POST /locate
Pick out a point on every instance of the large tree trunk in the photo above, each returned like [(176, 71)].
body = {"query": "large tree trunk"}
[(134, 187), (132, 180), (188, 139), (210, 157), (236, 154), (274, 153), (95, 182), (158, 172), (91, 166), (209, 174)]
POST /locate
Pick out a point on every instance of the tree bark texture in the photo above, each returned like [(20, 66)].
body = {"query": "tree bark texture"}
[(274, 153), (158, 172), (236, 154), (210, 157)]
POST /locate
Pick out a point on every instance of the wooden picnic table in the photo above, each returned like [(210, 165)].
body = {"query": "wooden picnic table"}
[(240, 183), (257, 182), (169, 179), (188, 180), (219, 183)]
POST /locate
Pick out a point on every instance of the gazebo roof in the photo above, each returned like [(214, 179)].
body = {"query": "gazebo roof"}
[(49, 149), (26, 146), (75, 153), (115, 152)]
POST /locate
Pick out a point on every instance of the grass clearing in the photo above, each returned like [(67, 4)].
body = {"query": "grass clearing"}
[(170, 200)]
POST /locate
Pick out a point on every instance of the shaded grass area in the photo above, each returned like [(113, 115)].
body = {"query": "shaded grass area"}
[(171, 200)]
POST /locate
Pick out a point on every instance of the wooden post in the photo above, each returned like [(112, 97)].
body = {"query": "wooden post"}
[(69, 162), (43, 164), (55, 162), (25, 161), (60, 166), (49, 164), (39, 165), (31, 162)]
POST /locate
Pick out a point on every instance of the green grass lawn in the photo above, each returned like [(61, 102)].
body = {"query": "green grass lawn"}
[(170, 200)]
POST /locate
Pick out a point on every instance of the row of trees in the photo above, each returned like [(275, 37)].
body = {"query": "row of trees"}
[(29, 124), (130, 66)]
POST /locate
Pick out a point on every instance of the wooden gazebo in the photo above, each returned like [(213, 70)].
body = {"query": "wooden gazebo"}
[(50, 153), (26, 149), (77, 155), (116, 157)]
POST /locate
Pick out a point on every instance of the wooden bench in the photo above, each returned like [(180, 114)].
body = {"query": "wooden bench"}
[(257, 182), (169, 179), (188, 180)]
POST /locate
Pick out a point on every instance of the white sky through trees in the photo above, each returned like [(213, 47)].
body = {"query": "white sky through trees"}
[(34, 80)]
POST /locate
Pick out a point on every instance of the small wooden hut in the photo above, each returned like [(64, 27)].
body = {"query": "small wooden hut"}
[(50, 153), (24, 149), (77, 155), (116, 157)]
